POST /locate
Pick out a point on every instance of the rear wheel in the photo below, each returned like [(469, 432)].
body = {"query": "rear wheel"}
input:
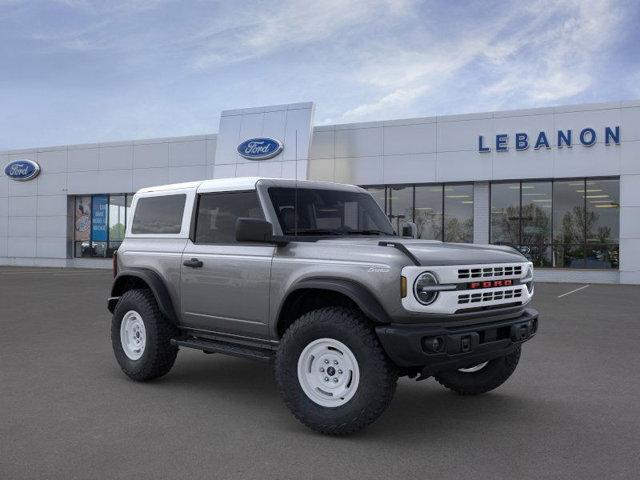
[(141, 336), (480, 378), (332, 372)]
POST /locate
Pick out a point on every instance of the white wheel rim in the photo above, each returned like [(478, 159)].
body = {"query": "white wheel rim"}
[(133, 335), (475, 368), (328, 372)]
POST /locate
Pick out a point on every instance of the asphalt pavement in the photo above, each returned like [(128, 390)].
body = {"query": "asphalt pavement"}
[(571, 410)]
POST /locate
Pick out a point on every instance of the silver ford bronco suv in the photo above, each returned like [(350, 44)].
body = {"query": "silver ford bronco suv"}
[(312, 277)]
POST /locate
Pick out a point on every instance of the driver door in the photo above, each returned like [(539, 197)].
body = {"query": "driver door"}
[(225, 284)]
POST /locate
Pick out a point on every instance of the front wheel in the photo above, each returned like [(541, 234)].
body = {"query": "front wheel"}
[(480, 378), (332, 372)]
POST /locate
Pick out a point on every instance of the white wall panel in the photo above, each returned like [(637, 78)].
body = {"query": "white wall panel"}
[(83, 159), (630, 124), (151, 155), (251, 126), (463, 135), (22, 206), (52, 161), (52, 183), (247, 169), (51, 247), (298, 129), (630, 191), (322, 169), (149, 177), (581, 161), (463, 166), (21, 246), (51, 205), (358, 142), (528, 163), (117, 157), (630, 157), (187, 174), (228, 140), (106, 181), (414, 168), (22, 227), (188, 153), (22, 189), (224, 171), (596, 119), (420, 138), (322, 144), (270, 169), (360, 171), (52, 226)]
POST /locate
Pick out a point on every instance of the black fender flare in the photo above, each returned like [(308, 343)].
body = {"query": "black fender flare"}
[(152, 280), (359, 294)]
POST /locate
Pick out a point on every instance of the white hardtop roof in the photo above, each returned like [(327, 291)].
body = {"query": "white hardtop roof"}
[(239, 183), (222, 184)]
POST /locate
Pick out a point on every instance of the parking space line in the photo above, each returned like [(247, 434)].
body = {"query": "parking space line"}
[(573, 291)]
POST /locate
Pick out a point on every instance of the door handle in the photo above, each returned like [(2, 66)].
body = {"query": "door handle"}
[(193, 263)]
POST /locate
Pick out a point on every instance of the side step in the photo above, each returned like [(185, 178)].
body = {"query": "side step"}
[(212, 346)]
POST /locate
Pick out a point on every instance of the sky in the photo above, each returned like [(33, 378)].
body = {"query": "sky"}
[(80, 71)]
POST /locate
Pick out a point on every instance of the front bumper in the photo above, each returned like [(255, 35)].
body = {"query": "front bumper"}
[(437, 348)]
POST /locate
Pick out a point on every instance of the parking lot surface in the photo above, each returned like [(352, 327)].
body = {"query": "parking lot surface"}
[(571, 410)]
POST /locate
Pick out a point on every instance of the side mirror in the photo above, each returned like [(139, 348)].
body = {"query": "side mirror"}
[(410, 230), (254, 230)]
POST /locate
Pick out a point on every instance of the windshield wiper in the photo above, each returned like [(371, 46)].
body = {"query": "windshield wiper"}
[(366, 232), (316, 231)]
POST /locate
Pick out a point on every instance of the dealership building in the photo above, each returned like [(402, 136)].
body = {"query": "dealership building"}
[(561, 184)]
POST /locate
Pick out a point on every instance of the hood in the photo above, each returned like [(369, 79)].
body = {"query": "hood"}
[(431, 252)]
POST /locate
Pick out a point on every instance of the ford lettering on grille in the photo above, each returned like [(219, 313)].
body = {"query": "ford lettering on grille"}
[(490, 284)]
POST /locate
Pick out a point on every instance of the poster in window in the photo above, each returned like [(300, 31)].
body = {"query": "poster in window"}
[(83, 218), (99, 218)]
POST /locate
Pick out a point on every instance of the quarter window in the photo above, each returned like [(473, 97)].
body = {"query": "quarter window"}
[(218, 212), (162, 214)]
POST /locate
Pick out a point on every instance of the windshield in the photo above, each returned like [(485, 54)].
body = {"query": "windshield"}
[(308, 211)]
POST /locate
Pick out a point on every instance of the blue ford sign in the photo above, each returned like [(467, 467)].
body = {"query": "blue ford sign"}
[(564, 138), (260, 148), (22, 170)]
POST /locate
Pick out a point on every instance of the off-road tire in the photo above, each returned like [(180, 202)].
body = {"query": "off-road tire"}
[(494, 374), (159, 355), (378, 376)]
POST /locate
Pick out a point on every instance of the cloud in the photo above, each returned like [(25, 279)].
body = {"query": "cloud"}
[(541, 53), (552, 61), (287, 25)]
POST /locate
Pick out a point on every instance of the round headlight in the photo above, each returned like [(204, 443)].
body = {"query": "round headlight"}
[(528, 279), (423, 288)]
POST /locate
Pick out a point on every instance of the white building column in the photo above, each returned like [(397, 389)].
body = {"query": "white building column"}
[(481, 212), (629, 229)]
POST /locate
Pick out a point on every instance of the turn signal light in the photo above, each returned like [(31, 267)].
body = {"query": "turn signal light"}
[(403, 287)]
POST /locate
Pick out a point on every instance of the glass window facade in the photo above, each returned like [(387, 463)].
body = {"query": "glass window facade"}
[(99, 223), (440, 211), (561, 223)]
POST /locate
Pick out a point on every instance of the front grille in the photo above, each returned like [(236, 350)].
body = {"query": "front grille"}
[(486, 272), (479, 297)]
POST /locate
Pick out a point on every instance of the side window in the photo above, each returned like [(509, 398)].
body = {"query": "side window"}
[(161, 214), (218, 212)]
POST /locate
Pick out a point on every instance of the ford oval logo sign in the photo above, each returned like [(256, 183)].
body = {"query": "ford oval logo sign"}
[(22, 170), (260, 148)]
